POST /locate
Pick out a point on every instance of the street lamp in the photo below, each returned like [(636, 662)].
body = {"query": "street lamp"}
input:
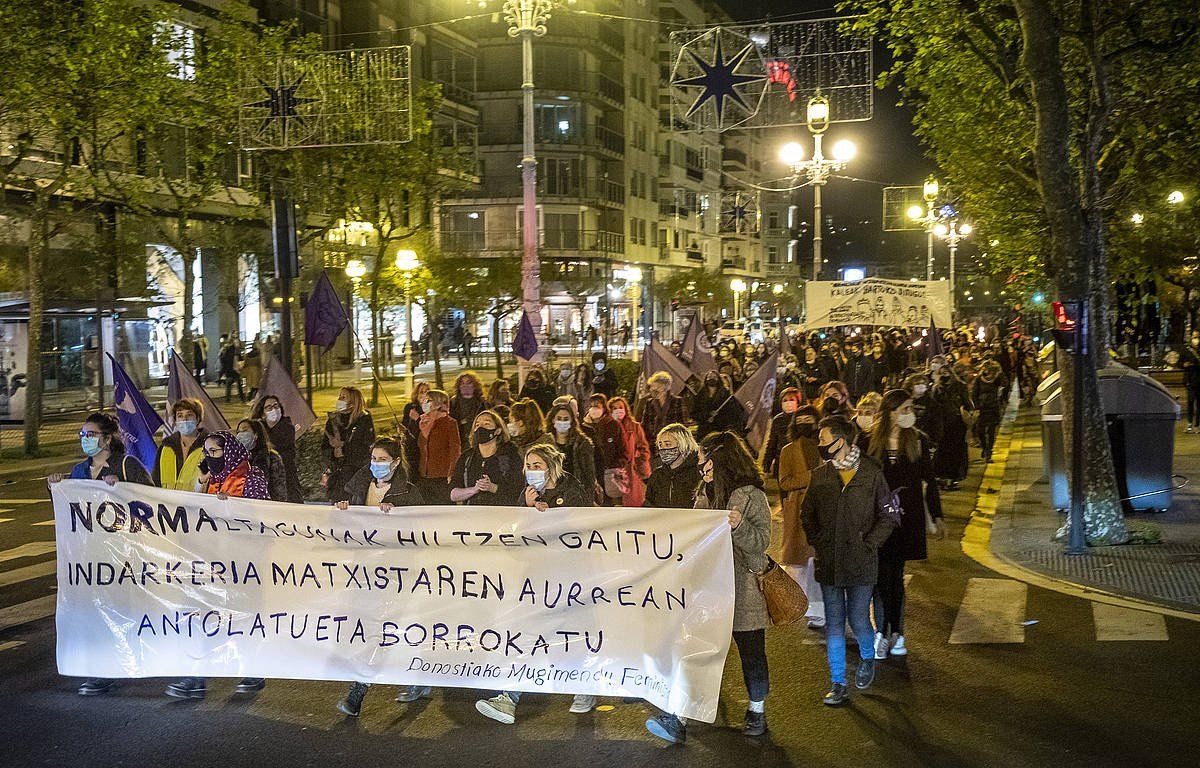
[(738, 286), (408, 263), (355, 270), (928, 217), (1138, 218), (952, 234), (1175, 198), (819, 168)]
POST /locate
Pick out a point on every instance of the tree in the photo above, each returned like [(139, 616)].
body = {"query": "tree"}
[(702, 287)]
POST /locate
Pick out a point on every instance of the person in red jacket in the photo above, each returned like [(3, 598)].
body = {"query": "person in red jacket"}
[(637, 452), (438, 446), (605, 433)]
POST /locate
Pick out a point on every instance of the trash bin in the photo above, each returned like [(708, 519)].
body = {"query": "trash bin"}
[(1141, 416), (1047, 360)]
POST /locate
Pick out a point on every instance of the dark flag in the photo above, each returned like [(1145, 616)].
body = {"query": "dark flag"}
[(657, 358), (933, 341), (697, 350), (138, 421), (278, 384), (757, 396), (525, 343), (181, 384), (324, 315)]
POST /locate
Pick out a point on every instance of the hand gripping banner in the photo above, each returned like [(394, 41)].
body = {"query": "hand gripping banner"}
[(606, 601)]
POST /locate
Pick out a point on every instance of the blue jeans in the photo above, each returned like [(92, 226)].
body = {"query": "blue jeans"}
[(842, 603)]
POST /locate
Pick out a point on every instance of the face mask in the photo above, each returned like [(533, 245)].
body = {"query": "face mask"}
[(89, 445), (484, 435), (919, 390), (562, 426), (381, 469), (427, 406), (273, 415), (864, 422), (790, 406), (935, 367), (599, 366), (536, 478), (831, 404), (186, 427), (215, 465), (246, 439), (595, 412), (467, 391), (619, 414), (829, 451), (906, 420), (565, 373), (669, 455), (340, 406), (514, 429), (806, 429)]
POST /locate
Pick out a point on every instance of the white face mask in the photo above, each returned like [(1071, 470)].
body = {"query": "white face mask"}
[(906, 420), (594, 413), (341, 405), (919, 390), (536, 478), (619, 414), (514, 428), (273, 415), (427, 406), (789, 406), (562, 426), (246, 439), (865, 422), (599, 366)]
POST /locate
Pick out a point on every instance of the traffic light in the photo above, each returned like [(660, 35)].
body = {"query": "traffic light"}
[(1070, 326)]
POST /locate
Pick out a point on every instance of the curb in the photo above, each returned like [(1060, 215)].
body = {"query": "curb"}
[(977, 538)]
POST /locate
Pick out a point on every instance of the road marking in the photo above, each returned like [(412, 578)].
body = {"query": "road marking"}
[(1114, 623), (32, 549), (35, 571), (5, 519), (25, 501), (11, 644), (45, 522), (23, 613), (991, 612)]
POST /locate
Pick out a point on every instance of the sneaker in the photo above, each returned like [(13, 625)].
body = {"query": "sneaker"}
[(865, 674), (500, 708), (1190, 429), (756, 724), (836, 696), (582, 704), (350, 708), (898, 647), (668, 728), (410, 693), (188, 688), (251, 685), (881, 646), (97, 686)]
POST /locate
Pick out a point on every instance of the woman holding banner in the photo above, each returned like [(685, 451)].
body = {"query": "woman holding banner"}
[(489, 472), (732, 481), (178, 462), (384, 483), (252, 434)]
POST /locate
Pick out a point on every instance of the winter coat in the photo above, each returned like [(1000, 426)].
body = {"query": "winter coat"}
[(567, 492), (750, 541), (173, 470), (637, 461), (439, 448), (796, 463), (605, 383), (540, 393), (401, 493), (579, 457), (655, 415), (283, 440), (609, 447), (918, 491), (357, 439), (673, 488), (504, 468), (777, 438), (464, 410), (847, 525), (252, 369), (126, 468), (986, 396), (859, 376), (812, 379)]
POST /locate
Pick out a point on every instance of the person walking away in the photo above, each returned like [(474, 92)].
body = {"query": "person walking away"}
[(675, 472), (986, 395), (466, 404), (796, 463), (659, 408), (282, 434), (253, 435), (384, 483), (200, 356), (177, 464), (847, 515), (609, 447), (604, 381), (904, 453), (252, 370), (438, 446), (779, 434), (349, 434), (579, 455), (1189, 360), (489, 472), (230, 359), (732, 481), (637, 452)]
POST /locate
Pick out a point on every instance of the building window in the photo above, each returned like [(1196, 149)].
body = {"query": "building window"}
[(178, 41), (561, 176), (556, 122), (561, 231), (772, 254), (463, 230), (773, 220)]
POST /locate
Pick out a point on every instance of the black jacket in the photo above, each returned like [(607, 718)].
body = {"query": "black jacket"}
[(859, 376), (779, 436), (402, 493), (918, 490), (579, 458), (504, 468), (847, 524), (605, 382), (283, 440), (568, 492), (464, 410), (669, 488)]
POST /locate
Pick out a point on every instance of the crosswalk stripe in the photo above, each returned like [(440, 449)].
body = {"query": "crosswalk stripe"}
[(6, 519), (25, 501), (32, 549), (35, 571), (11, 644), (23, 613), (1117, 623), (45, 522), (991, 612)]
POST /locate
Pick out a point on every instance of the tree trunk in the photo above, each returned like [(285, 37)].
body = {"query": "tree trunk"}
[(1075, 248), (187, 255), (435, 344), (39, 243)]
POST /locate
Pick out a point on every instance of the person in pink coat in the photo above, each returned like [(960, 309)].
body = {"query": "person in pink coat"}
[(637, 452)]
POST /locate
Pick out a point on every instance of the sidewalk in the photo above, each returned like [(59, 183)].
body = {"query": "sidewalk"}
[(1022, 532)]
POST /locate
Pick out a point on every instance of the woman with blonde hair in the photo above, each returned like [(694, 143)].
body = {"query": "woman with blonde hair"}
[(675, 475), (349, 434), (866, 413), (489, 472), (438, 447)]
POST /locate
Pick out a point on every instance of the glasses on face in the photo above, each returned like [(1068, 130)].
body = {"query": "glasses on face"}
[(88, 433), (214, 453)]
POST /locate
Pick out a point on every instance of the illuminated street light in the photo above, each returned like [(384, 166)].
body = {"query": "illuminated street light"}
[(1175, 198), (1138, 218), (407, 262), (738, 286), (355, 269), (941, 230), (916, 213)]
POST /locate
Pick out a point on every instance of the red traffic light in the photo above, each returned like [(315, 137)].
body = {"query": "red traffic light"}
[(1062, 320)]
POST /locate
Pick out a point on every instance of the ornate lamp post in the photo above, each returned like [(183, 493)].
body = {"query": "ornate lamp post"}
[(952, 234), (355, 270), (928, 218), (738, 286), (408, 263)]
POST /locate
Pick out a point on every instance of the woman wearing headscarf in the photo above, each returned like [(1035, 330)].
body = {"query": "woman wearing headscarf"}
[(282, 434), (438, 446), (349, 433)]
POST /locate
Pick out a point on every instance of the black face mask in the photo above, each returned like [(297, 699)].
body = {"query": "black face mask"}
[(483, 435), (215, 463), (831, 404), (804, 429), (829, 451)]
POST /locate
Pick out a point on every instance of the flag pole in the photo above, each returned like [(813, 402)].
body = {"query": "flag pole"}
[(308, 374)]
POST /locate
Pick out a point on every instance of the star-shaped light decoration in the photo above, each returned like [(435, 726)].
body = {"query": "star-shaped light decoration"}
[(720, 80), (282, 102)]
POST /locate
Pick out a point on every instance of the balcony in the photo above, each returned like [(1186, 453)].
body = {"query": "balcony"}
[(783, 269), (611, 37), (610, 140), (694, 173), (610, 89), (734, 263), (735, 156), (559, 242), (457, 94), (602, 191)]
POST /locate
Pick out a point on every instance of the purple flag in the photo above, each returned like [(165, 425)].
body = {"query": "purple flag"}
[(697, 350), (138, 421), (933, 341), (278, 384), (324, 316), (757, 396), (657, 358), (525, 343), (181, 384)]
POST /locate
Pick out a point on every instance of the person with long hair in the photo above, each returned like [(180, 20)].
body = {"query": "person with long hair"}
[(467, 403), (499, 393), (384, 483), (866, 413), (525, 424), (675, 473), (797, 461), (438, 447), (579, 455), (732, 481), (834, 399), (177, 464), (637, 452), (605, 434), (929, 420), (581, 382), (779, 434), (349, 434), (904, 454), (282, 434), (538, 389), (252, 434), (489, 472), (951, 461)]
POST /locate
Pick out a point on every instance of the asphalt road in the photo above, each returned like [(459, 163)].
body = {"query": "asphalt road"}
[(1056, 693)]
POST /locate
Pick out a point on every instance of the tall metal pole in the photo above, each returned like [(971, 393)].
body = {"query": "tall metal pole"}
[(1077, 535), (530, 267), (410, 373), (953, 251), (818, 157), (929, 252)]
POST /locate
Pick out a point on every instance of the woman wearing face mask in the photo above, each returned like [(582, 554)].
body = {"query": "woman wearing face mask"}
[(100, 441), (675, 474), (177, 464), (810, 374), (904, 453), (604, 381), (925, 407), (226, 471), (490, 471), (605, 434), (525, 424), (564, 384), (579, 455), (547, 486), (659, 407), (732, 481), (383, 483), (537, 390), (710, 397), (466, 404), (637, 452), (282, 434), (834, 400), (780, 433), (253, 436), (349, 433), (866, 413), (581, 384), (438, 447), (796, 463), (499, 394)]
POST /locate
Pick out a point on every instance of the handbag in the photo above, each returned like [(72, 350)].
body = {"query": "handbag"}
[(969, 417), (616, 483), (786, 601)]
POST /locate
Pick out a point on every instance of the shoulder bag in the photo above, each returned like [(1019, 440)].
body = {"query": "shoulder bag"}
[(786, 601)]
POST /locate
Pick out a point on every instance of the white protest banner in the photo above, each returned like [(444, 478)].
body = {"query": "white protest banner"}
[(876, 301), (607, 601)]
